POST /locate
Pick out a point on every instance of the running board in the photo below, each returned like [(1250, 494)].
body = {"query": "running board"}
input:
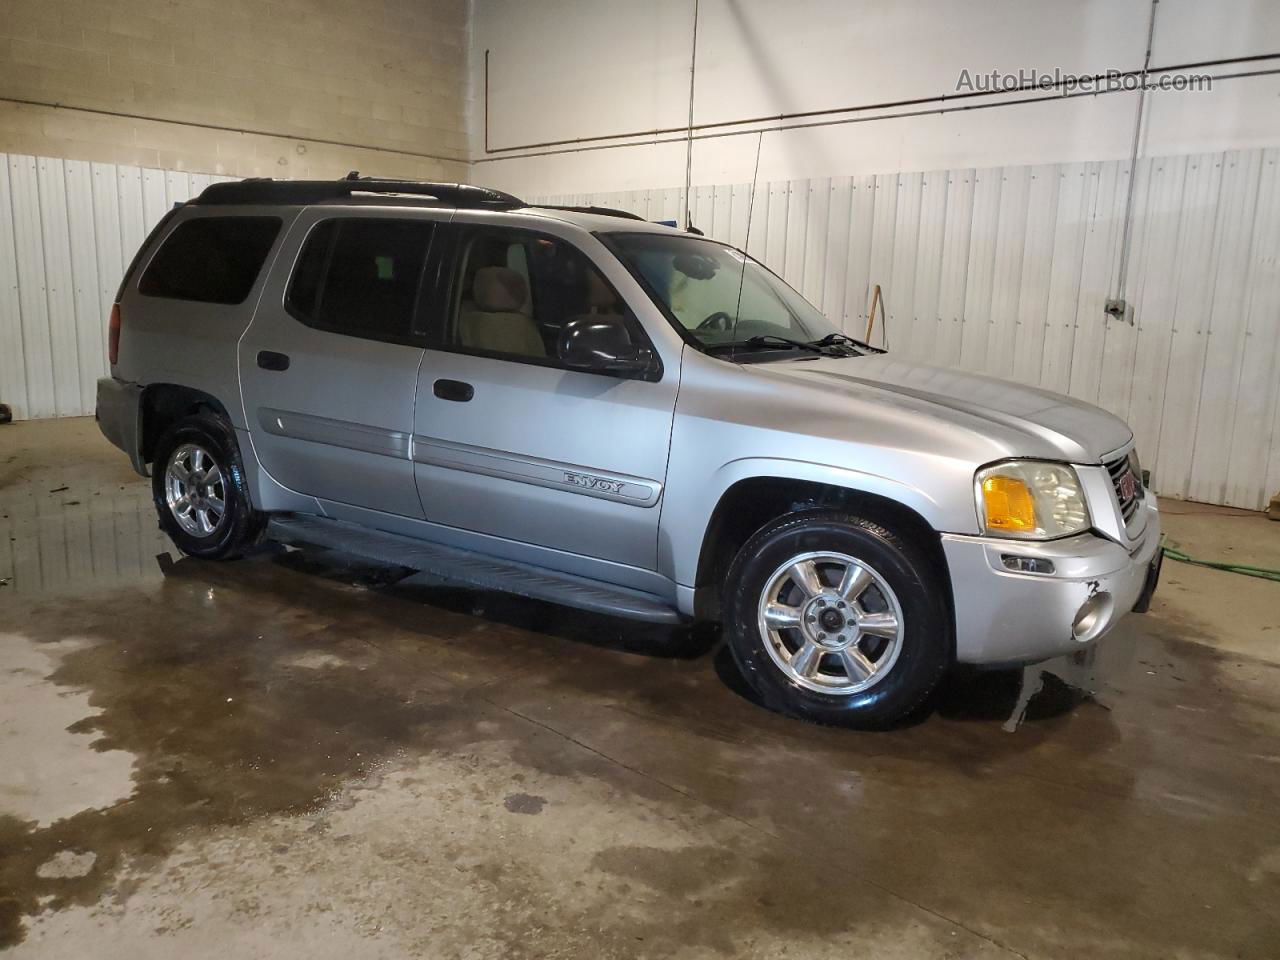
[(473, 569)]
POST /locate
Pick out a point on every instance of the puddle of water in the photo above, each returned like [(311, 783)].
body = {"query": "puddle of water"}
[(199, 702), (105, 539), (1058, 685)]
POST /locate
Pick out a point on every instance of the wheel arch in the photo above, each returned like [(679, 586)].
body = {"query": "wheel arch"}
[(750, 502), (162, 404)]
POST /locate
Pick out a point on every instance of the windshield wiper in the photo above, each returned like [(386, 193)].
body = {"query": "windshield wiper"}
[(767, 341), (843, 339), (832, 345)]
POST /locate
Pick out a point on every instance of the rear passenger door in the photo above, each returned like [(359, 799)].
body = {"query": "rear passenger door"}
[(329, 366)]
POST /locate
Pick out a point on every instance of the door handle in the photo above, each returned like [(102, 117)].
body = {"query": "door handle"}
[(453, 390), (270, 360)]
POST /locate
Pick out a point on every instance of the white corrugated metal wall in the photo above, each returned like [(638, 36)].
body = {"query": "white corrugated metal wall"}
[(68, 228), (1005, 271)]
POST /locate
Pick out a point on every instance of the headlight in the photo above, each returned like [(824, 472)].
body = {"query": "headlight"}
[(1030, 500)]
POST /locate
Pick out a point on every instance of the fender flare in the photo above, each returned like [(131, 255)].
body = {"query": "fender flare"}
[(687, 552)]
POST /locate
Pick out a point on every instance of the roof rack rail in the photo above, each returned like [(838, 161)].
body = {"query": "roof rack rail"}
[(268, 191), (599, 211)]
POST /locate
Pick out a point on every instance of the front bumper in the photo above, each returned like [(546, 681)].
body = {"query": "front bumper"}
[(1005, 617), (119, 416)]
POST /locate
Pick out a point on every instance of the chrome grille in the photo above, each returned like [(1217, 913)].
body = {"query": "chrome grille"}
[(1119, 469)]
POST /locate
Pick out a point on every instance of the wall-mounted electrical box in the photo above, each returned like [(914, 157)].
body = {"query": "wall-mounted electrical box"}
[(1119, 310)]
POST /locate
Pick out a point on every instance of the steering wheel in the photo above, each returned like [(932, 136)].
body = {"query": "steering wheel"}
[(720, 320)]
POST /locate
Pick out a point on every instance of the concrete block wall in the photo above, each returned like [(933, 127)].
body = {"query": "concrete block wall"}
[(285, 88)]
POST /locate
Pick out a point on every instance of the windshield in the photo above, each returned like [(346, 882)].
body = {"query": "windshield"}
[(719, 295)]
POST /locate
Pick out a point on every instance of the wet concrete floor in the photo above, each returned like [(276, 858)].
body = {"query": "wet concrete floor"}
[(296, 755)]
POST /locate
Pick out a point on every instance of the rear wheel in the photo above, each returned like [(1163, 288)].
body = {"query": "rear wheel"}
[(199, 489), (837, 619)]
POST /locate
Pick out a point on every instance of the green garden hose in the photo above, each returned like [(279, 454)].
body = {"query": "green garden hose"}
[(1173, 553)]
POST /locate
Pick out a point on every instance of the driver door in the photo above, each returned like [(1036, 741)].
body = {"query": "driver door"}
[(512, 444)]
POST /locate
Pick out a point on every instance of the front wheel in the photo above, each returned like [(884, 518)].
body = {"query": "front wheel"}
[(199, 489), (837, 619)]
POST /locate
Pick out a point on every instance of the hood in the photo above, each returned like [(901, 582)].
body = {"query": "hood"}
[(1050, 424)]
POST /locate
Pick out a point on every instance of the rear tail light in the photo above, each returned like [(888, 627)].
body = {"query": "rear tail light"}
[(113, 335)]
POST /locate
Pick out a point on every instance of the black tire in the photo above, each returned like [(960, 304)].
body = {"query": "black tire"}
[(924, 645), (238, 526)]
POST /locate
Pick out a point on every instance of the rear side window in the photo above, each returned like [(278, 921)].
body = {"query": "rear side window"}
[(211, 259), (361, 276)]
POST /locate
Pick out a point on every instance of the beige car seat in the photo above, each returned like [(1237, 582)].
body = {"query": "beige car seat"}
[(601, 300), (492, 320)]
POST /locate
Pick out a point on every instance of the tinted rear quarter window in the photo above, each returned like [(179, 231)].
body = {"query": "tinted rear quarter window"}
[(211, 259)]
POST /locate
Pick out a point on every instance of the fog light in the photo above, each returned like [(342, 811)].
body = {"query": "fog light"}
[(1026, 564), (1092, 617)]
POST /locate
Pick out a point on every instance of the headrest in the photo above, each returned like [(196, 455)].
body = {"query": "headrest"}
[(499, 290), (598, 293)]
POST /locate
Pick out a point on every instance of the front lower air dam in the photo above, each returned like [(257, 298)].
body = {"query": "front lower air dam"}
[(1092, 617)]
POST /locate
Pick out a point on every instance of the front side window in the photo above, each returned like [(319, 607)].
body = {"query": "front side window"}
[(361, 276), (516, 291), (720, 297), (210, 259)]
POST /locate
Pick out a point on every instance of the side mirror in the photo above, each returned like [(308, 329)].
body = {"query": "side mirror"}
[(602, 344)]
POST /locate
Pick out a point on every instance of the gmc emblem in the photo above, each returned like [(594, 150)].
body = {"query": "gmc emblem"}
[(1129, 485)]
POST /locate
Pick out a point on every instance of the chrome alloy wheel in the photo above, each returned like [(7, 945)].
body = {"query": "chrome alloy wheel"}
[(195, 490), (831, 623)]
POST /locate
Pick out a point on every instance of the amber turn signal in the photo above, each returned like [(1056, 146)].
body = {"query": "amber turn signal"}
[(1009, 505)]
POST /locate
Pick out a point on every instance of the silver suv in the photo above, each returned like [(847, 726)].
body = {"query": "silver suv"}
[(582, 407)]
